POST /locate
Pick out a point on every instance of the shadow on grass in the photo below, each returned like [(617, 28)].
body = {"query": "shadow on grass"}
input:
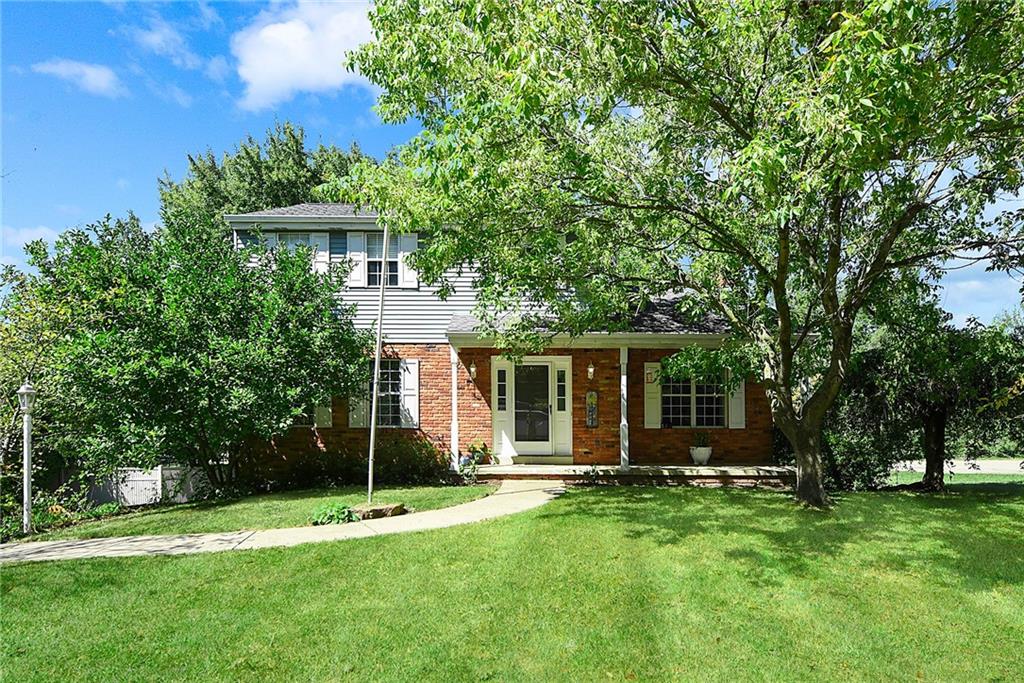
[(973, 534)]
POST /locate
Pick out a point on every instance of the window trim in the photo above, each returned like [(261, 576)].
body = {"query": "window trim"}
[(385, 270), (693, 405)]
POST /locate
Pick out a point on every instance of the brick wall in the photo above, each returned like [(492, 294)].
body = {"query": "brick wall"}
[(589, 444), (435, 414), (752, 445), (598, 445)]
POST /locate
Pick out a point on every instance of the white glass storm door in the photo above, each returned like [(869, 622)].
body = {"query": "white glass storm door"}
[(531, 396)]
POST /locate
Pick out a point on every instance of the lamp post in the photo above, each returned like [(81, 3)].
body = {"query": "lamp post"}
[(27, 400)]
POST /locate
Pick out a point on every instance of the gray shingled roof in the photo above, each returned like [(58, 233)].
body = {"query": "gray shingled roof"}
[(659, 317), (310, 210)]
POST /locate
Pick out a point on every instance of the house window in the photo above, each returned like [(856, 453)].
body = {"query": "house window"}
[(708, 404), (676, 408), (502, 390), (560, 390), (305, 418), (291, 240), (692, 403), (376, 265), (389, 398)]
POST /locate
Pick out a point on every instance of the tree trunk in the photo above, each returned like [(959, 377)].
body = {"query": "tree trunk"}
[(935, 449), (810, 473)]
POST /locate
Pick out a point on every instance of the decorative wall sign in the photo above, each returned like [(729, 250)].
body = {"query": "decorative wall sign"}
[(591, 408)]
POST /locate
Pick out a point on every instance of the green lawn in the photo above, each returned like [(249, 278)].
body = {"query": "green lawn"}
[(265, 511), (956, 482), (602, 584)]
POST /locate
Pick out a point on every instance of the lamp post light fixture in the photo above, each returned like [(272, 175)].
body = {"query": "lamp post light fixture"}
[(472, 369), (27, 401), (590, 371)]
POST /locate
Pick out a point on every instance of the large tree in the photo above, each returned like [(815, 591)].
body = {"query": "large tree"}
[(279, 170), (182, 347), (778, 162)]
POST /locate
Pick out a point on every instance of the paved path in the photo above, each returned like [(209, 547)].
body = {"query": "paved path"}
[(510, 498), (1001, 466)]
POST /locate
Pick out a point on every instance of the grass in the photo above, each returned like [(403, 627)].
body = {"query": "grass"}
[(264, 511), (956, 482), (604, 583)]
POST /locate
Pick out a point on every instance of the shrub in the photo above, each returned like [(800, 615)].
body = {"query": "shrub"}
[(333, 513)]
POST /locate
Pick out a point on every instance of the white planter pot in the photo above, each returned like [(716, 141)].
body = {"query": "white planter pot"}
[(700, 454)]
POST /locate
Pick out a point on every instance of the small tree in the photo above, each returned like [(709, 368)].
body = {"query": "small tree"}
[(184, 348), (777, 163), (917, 380)]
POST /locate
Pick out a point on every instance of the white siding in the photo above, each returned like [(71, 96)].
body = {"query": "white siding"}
[(413, 315)]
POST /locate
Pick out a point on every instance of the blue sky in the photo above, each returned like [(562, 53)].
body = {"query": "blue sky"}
[(99, 99)]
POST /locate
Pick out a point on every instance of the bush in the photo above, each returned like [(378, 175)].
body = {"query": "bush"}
[(333, 513), (401, 459)]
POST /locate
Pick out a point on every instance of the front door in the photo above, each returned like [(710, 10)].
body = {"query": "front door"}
[(532, 407)]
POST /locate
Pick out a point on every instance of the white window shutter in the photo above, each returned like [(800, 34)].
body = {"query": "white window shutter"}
[(407, 277), (322, 416), (320, 243), (737, 408), (410, 393), (652, 395), (357, 255), (358, 409)]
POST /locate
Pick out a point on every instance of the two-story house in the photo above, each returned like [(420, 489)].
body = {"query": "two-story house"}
[(593, 399)]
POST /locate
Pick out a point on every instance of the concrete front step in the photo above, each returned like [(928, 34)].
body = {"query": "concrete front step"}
[(709, 475)]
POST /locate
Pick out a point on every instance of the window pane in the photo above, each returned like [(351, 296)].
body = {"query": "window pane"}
[(294, 239), (375, 244), (709, 404), (392, 273), (502, 390), (560, 390), (675, 403), (389, 400), (373, 273)]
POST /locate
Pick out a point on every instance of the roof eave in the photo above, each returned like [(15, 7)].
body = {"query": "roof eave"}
[(601, 340), (234, 219)]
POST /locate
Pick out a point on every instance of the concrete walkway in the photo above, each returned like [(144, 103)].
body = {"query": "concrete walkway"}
[(990, 466), (510, 498)]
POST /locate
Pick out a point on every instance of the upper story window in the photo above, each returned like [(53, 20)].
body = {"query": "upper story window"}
[(291, 240), (376, 265)]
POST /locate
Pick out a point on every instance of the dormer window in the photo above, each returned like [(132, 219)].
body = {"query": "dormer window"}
[(375, 263)]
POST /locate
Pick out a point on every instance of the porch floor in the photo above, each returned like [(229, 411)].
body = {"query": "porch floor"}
[(710, 475)]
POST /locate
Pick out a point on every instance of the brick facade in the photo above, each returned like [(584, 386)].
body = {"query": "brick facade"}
[(752, 445), (590, 445)]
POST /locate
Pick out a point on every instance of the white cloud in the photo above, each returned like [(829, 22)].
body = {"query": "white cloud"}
[(13, 241), (173, 93), (971, 292), (95, 79), (161, 38), (298, 48), (217, 69)]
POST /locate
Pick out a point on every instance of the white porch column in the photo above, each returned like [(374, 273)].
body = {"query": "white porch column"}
[(623, 416), (455, 408)]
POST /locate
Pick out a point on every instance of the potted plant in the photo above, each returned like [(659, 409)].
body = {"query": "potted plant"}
[(700, 451)]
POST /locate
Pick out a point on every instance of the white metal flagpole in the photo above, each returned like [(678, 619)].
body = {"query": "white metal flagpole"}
[(376, 364)]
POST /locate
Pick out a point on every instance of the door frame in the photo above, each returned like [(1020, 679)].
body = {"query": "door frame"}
[(559, 443)]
